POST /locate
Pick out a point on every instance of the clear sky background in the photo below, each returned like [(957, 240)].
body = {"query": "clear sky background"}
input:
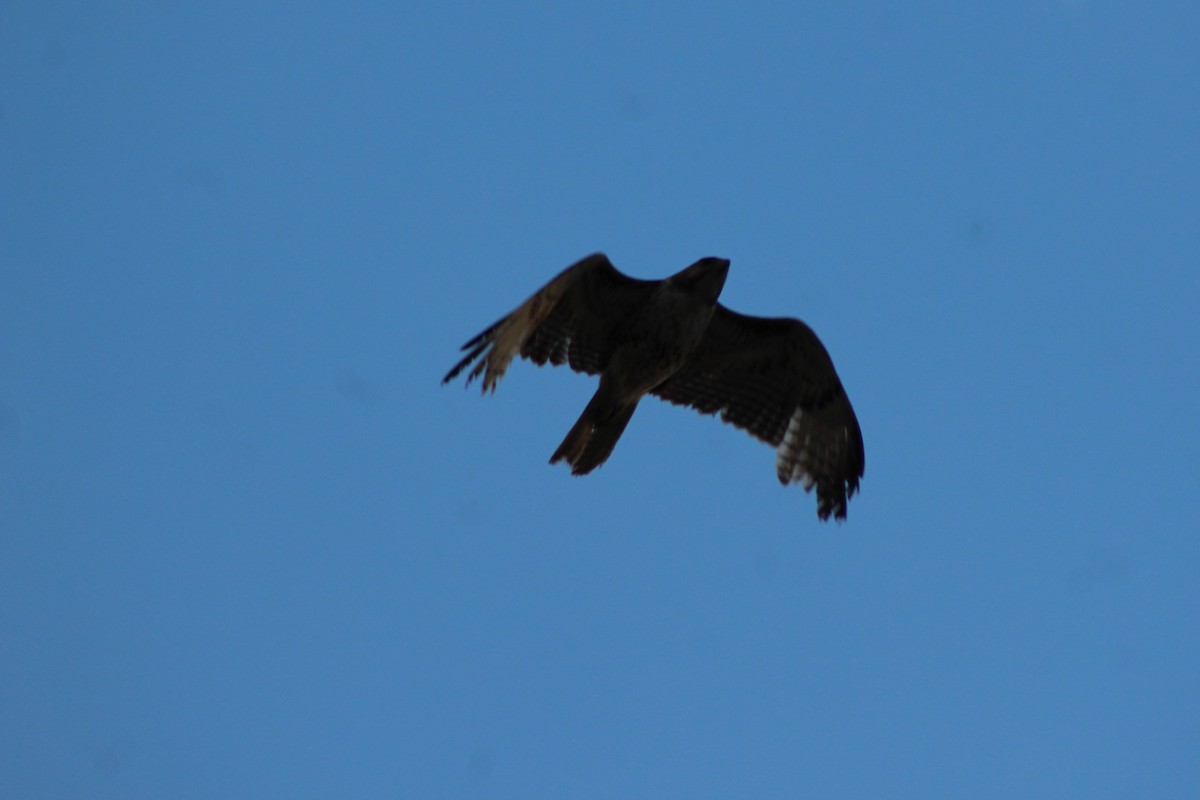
[(250, 547)]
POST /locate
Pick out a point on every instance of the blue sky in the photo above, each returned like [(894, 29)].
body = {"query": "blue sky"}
[(250, 547)]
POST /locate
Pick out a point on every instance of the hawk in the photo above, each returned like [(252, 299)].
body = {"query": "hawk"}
[(771, 377)]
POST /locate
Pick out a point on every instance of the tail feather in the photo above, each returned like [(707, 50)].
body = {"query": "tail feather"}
[(591, 440)]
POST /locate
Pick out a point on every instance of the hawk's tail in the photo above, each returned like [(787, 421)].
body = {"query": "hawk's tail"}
[(593, 437)]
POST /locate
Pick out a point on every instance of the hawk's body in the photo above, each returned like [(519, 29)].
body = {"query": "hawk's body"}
[(671, 338)]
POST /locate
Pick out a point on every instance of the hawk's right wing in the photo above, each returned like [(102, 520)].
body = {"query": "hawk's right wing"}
[(575, 319), (774, 379)]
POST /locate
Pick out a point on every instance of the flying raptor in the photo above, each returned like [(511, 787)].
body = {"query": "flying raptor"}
[(771, 377)]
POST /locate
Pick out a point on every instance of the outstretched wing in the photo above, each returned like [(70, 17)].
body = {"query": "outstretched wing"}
[(774, 379), (574, 319)]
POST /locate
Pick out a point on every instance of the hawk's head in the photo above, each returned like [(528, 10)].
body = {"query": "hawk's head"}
[(704, 279)]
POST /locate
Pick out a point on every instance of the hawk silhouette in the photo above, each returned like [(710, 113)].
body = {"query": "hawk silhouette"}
[(671, 338)]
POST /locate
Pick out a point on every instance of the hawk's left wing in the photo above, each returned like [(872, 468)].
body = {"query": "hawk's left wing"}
[(576, 319), (774, 379)]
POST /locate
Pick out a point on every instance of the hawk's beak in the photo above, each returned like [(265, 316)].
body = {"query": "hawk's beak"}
[(706, 277)]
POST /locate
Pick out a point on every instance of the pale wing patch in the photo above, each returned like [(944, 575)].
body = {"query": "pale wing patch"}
[(503, 341), (793, 457)]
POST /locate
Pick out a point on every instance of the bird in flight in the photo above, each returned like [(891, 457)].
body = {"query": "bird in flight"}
[(771, 377)]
